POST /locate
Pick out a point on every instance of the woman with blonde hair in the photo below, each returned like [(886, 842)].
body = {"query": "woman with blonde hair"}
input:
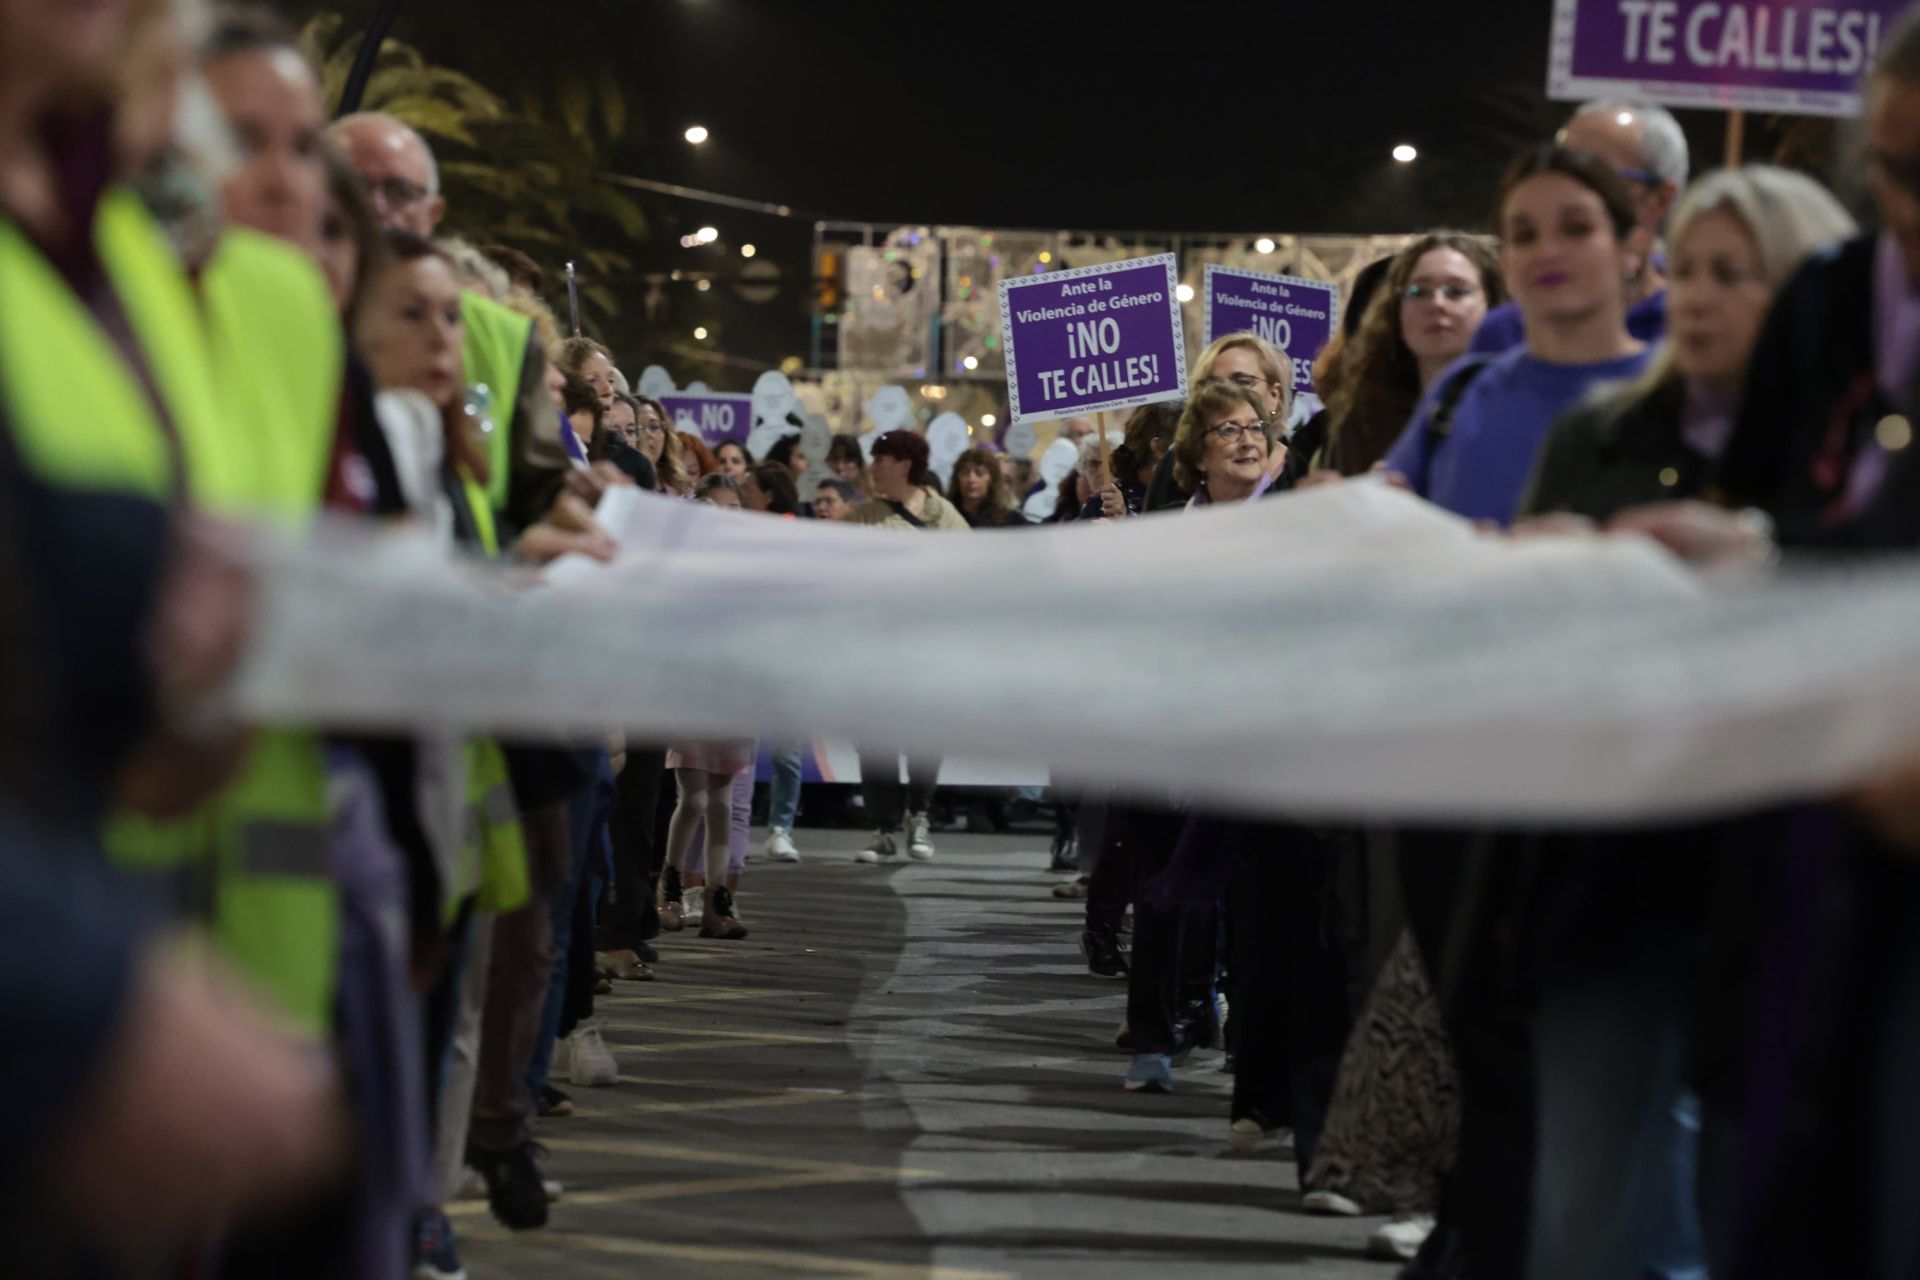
[(1736, 237)]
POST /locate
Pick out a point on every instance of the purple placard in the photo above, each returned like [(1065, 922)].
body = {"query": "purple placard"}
[(1092, 339), (712, 417), (1801, 57), (1293, 314)]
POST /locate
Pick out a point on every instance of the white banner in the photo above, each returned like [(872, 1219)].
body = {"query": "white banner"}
[(1346, 651)]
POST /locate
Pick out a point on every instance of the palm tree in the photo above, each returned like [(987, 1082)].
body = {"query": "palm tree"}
[(510, 175)]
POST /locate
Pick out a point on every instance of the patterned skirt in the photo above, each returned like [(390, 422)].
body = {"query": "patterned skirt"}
[(1394, 1127)]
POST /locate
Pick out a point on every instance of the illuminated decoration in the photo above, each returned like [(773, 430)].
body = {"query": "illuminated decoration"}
[(1184, 293), (1264, 245), (1405, 154), (697, 134), (747, 251), (700, 334), (707, 235), (988, 420)]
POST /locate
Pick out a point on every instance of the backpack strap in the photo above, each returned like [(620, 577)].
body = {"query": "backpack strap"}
[(1439, 425)]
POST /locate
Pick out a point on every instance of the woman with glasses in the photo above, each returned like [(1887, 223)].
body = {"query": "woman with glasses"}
[(1220, 452), (1418, 323), (1248, 362)]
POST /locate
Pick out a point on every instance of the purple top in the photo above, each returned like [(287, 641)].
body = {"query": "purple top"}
[(1706, 421), (1503, 330), (571, 442)]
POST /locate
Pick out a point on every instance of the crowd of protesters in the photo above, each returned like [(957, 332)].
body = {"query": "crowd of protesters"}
[(1542, 1054)]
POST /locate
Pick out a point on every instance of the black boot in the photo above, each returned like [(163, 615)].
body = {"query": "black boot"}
[(515, 1190), (1106, 958)]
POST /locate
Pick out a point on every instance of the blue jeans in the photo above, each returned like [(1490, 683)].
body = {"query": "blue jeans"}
[(1618, 1136), (783, 808), (585, 820)]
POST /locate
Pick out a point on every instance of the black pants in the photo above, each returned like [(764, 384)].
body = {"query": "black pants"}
[(888, 803), (1290, 993), (1175, 953), (628, 916), (1452, 884)]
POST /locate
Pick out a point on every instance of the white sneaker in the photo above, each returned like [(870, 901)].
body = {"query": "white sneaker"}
[(1245, 1136), (593, 1062), (1400, 1240), (695, 900), (919, 838), (879, 849), (780, 846), (1329, 1204)]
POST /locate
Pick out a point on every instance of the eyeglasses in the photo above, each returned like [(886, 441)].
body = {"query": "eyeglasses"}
[(1248, 381), (1234, 432), (1434, 292), (397, 193), (1648, 176), (653, 429)]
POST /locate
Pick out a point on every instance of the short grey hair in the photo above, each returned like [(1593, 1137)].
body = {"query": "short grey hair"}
[(433, 165), (1663, 143), (1090, 448)]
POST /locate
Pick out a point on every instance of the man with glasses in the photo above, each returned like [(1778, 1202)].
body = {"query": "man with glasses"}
[(1647, 148), (397, 168)]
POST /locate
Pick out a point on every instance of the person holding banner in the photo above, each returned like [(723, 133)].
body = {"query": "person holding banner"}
[(1431, 303), (1220, 450), (1247, 361), (1149, 435), (1569, 238)]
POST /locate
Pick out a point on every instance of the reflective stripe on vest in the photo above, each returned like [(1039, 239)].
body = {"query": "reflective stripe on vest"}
[(496, 353)]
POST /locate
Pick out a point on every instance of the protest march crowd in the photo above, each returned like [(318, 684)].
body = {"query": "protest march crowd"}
[(274, 996)]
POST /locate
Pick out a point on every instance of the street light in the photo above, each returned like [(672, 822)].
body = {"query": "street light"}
[(988, 420), (1184, 293), (1264, 244), (707, 235), (1405, 154), (747, 251), (700, 334), (697, 134)]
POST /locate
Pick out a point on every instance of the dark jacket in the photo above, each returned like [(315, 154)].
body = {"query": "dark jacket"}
[(1163, 491), (1004, 518), (1811, 403), (1606, 455)]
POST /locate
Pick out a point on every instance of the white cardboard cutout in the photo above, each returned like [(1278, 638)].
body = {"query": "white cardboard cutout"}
[(655, 382), (947, 439), (1021, 440)]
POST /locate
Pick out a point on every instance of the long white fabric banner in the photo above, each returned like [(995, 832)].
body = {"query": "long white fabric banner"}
[(1345, 652)]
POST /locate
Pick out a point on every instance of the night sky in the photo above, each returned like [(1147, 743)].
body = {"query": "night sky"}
[(1274, 117)]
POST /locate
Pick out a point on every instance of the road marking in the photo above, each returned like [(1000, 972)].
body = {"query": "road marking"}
[(785, 1098), (780, 1261), (702, 1155)]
